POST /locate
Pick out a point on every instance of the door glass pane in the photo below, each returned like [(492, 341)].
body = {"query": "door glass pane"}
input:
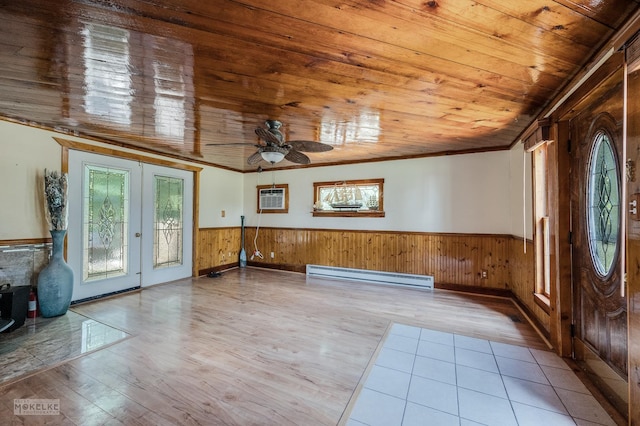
[(106, 209), (168, 221), (603, 216)]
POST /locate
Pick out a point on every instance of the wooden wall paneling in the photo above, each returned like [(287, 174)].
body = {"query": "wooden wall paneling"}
[(405, 253), (439, 267), (450, 261), (375, 244), (432, 255), (522, 268), (502, 262), (450, 258), (499, 261), (218, 248), (421, 255), (486, 262), (463, 262), (453, 261), (473, 258), (363, 248)]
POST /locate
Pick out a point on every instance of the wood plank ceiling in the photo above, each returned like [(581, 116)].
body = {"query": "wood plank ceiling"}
[(377, 79)]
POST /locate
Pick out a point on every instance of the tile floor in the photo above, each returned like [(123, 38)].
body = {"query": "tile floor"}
[(427, 377)]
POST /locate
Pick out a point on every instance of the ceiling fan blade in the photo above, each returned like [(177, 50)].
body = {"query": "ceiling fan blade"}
[(310, 146), (254, 158), (267, 136), (297, 157), (232, 144)]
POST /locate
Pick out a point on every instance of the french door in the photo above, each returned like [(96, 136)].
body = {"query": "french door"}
[(130, 224)]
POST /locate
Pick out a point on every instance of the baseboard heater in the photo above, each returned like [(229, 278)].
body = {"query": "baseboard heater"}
[(376, 277)]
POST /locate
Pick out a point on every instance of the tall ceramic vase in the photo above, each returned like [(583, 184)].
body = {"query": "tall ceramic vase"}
[(55, 281)]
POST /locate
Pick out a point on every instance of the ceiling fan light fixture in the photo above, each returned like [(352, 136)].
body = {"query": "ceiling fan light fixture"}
[(272, 156)]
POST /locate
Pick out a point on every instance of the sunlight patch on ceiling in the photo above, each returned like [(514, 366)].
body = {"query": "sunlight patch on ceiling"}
[(107, 80), (364, 129)]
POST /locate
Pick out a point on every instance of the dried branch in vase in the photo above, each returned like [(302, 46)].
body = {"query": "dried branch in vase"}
[(55, 198)]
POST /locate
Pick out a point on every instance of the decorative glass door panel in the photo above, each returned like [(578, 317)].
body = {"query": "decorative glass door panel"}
[(103, 240), (167, 224), (168, 221), (603, 198), (105, 223)]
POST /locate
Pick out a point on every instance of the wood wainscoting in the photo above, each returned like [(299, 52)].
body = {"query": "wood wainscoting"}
[(218, 249), (522, 282), (454, 259), (450, 258)]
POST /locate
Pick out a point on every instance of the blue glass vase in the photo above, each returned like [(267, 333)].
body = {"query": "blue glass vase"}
[(55, 281)]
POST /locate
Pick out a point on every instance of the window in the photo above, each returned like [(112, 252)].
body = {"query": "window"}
[(543, 224), (350, 198)]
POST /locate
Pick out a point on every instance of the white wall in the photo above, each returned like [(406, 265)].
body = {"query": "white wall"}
[(220, 190), (26, 151), (24, 154), (471, 193), (459, 194)]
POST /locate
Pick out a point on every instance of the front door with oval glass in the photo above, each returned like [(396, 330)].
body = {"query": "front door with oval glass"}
[(600, 308)]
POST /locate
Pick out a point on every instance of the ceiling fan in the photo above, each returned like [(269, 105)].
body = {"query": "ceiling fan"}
[(275, 149)]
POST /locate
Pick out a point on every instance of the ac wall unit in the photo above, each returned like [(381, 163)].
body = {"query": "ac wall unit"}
[(272, 199)]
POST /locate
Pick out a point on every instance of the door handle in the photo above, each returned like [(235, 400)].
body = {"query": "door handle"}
[(138, 234), (633, 206)]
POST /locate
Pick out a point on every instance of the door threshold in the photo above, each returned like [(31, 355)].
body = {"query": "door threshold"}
[(106, 295)]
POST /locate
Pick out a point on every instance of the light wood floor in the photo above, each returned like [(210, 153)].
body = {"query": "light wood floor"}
[(253, 347)]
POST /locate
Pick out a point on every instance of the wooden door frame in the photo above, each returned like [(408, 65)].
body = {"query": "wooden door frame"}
[(555, 135), (561, 309)]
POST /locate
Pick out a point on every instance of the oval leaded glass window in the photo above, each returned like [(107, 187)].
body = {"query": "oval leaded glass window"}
[(603, 198)]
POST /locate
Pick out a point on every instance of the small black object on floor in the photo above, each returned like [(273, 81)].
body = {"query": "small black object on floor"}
[(214, 274), (14, 303)]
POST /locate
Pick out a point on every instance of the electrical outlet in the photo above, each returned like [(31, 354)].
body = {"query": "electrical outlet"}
[(484, 274), (273, 255), (223, 213)]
